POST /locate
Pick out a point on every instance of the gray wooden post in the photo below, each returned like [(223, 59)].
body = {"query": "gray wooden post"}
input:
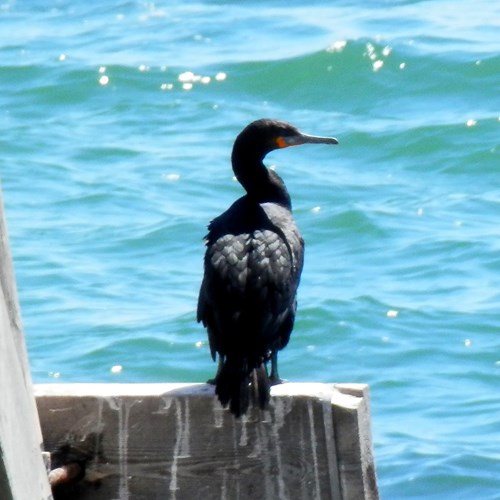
[(22, 471)]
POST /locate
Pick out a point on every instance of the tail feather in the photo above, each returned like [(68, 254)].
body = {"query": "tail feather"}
[(262, 386), (233, 385)]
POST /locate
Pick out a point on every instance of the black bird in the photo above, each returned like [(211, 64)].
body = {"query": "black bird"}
[(253, 263)]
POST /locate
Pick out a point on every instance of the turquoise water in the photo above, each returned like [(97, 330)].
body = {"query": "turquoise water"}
[(117, 122)]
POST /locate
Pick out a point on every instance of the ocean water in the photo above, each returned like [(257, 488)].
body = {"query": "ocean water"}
[(117, 121)]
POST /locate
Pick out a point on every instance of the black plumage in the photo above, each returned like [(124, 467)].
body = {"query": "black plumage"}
[(253, 263)]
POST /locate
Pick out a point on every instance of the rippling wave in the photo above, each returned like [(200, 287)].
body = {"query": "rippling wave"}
[(117, 125)]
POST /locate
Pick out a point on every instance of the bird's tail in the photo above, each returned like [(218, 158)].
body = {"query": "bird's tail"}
[(234, 385)]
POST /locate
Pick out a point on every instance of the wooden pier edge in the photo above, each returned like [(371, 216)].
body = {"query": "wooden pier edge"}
[(147, 441)]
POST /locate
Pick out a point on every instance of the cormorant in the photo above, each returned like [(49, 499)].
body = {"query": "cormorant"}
[(253, 263)]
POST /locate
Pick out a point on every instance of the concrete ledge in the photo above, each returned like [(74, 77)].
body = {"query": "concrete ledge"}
[(175, 441)]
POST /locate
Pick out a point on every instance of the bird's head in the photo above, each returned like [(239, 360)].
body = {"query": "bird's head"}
[(265, 135)]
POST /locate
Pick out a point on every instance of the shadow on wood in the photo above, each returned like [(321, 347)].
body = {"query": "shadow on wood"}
[(175, 441)]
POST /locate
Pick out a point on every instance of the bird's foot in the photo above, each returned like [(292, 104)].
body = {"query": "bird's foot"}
[(276, 380)]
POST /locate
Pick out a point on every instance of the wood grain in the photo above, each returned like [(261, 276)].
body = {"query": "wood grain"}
[(160, 441)]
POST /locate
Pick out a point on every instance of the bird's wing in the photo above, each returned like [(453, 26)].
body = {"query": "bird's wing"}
[(250, 281)]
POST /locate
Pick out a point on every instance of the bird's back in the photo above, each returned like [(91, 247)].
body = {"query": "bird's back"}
[(253, 263)]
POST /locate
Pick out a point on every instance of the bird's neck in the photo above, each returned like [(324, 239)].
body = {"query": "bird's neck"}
[(260, 183)]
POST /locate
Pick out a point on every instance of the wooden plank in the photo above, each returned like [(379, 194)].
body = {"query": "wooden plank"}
[(149, 441), (354, 448), (22, 471)]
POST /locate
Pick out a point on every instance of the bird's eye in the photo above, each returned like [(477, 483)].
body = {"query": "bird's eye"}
[(282, 142)]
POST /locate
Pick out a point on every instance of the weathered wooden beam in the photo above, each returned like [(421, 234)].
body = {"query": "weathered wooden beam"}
[(145, 441), (22, 471)]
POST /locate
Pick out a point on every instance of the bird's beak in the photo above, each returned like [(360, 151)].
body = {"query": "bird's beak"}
[(297, 140)]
